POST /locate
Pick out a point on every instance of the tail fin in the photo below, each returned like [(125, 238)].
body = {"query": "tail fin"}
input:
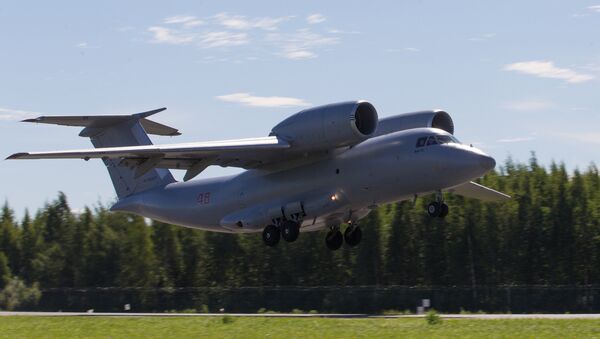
[(121, 130)]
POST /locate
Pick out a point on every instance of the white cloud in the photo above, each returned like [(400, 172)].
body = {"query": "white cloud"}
[(546, 69), (529, 105), (482, 37), (170, 36), (256, 101), (405, 49), (178, 19), (595, 8), (227, 30), (223, 39), (184, 20), (301, 44), (85, 45), (339, 31), (315, 18), (515, 139), (241, 22), (9, 114), (299, 54)]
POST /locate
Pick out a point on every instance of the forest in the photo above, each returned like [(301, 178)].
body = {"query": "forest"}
[(542, 248)]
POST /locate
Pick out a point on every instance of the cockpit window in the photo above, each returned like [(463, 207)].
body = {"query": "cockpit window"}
[(437, 139), (431, 141), (444, 139)]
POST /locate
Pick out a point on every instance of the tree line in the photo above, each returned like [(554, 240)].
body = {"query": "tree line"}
[(547, 234)]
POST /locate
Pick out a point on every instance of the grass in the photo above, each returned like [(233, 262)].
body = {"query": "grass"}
[(218, 327)]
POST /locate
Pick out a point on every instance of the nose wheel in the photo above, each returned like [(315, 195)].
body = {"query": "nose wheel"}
[(437, 209)]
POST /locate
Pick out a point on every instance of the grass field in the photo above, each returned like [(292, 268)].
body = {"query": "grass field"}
[(217, 327)]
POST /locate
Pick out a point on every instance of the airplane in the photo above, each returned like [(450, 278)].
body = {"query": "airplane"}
[(320, 168)]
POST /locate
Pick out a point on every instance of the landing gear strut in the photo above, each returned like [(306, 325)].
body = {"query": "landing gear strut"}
[(271, 235)]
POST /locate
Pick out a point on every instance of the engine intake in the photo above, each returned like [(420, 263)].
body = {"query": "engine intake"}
[(329, 126)]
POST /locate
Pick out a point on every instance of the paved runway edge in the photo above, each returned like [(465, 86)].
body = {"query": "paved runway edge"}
[(294, 315)]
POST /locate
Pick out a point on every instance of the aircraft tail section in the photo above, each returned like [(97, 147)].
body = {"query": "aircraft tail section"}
[(122, 130)]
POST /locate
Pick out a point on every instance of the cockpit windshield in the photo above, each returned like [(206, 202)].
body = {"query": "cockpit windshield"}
[(437, 140)]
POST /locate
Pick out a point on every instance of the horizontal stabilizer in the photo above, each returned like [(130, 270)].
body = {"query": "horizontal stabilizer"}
[(477, 191), (98, 122)]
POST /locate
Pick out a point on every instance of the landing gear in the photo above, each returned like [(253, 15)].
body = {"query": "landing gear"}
[(352, 235), (443, 210), (271, 235), (290, 230), (437, 209), (334, 239)]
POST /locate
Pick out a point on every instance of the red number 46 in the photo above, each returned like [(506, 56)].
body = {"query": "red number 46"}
[(204, 198)]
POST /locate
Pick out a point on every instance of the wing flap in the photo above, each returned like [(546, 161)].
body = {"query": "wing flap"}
[(477, 191)]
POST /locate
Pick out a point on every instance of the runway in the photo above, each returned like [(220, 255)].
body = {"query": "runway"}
[(294, 315)]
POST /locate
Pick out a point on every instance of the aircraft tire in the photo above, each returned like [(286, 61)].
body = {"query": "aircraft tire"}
[(290, 230), (433, 209), (353, 235), (334, 240), (443, 210), (271, 235)]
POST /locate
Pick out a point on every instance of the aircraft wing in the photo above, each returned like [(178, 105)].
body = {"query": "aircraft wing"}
[(477, 191), (195, 157)]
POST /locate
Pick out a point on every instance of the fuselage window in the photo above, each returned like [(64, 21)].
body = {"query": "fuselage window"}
[(421, 142)]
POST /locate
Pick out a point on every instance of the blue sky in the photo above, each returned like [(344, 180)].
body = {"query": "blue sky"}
[(516, 76)]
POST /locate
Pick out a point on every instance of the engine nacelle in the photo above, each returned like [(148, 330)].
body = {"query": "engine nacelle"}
[(401, 122), (329, 126)]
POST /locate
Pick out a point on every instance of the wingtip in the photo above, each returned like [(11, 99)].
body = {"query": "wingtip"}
[(31, 120), (16, 156)]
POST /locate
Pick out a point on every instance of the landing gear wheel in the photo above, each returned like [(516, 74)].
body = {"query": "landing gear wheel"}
[(443, 210), (290, 230), (271, 235), (334, 240), (434, 209), (352, 235)]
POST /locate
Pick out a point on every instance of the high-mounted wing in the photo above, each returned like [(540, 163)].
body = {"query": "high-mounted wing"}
[(195, 157), (477, 191)]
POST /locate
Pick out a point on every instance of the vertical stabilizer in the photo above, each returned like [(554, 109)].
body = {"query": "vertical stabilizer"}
[(122, 130)]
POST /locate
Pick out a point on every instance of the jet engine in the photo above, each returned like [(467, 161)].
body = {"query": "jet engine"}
[(329, 126), (433, 119)]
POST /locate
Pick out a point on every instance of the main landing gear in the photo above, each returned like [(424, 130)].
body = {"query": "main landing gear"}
[(438, 208), (334, 238), (288, 230)]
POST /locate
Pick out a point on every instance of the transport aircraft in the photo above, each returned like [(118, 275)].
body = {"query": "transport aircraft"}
[(321, 168)]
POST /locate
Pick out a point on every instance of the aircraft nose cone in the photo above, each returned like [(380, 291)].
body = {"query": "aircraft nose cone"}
[(487, 163)]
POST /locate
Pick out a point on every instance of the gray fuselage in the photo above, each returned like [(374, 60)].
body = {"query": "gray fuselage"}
[(338, 188)]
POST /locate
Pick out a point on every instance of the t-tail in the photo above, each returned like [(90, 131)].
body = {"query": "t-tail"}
[(122, 130)]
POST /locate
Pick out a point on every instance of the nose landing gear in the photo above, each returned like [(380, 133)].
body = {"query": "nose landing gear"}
[(438, 208)]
